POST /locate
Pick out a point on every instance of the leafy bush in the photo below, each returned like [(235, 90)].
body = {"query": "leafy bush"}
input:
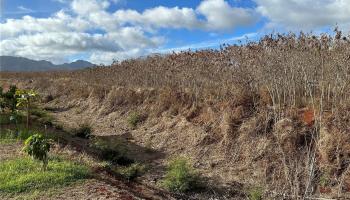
[(180, 176), (84, 131), (255, 193), (38, 147), (133, 119), (131, 172)]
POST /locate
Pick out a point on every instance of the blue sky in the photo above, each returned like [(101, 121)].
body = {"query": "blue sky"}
[(103, 30)]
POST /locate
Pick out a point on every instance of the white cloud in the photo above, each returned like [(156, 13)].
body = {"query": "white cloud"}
[(218, 15), (60, 22), (221, 16), (160, 17), (84, 7), (60, 44), (305, 14)]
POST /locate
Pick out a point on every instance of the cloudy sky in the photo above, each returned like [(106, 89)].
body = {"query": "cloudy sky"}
[(102, 30)]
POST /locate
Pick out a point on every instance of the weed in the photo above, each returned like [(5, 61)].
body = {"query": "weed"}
[(133, 119), (255, 193), (324, 179), (180, 176)]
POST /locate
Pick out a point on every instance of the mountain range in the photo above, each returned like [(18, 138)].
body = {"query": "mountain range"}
[(12, 63)]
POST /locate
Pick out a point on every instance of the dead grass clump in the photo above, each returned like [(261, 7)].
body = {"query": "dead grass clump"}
[(100, 91), (334, 150), (292, 136), (120, 96), (174, 100)]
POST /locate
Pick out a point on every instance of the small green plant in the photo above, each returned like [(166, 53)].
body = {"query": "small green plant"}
[(25, 99), (324, 179), (133, 119), (84, 131), (131, 172), (255, 193), (180, 176), (38, 147)]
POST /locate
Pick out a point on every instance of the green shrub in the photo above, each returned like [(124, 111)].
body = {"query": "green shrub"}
[(255, 193), (180, 176), (84, 131), (131, 172), (133, 119), (38, 147)]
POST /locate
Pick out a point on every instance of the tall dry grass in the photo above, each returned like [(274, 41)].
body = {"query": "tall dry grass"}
[(294, 71)]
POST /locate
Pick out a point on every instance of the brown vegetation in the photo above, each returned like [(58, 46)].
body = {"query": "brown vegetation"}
[(273, 113)]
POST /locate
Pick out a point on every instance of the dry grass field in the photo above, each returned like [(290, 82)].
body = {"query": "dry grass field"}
[(268, 118)]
